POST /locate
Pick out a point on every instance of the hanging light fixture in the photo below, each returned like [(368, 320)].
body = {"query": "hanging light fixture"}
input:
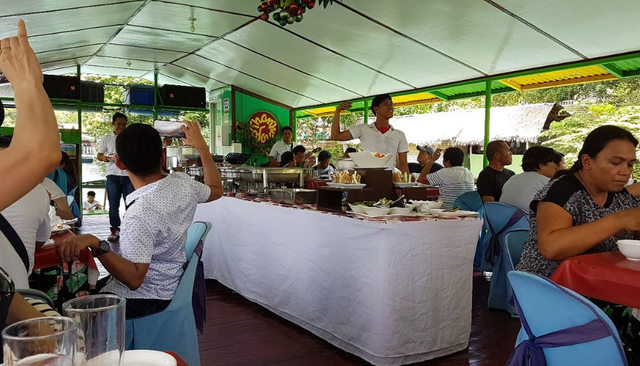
[(192, 20)]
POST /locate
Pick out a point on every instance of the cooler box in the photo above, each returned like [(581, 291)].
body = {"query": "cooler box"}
[(183, 96), (142, 94)]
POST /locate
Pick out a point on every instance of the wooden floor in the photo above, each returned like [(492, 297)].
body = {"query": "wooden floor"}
[(239, 332)]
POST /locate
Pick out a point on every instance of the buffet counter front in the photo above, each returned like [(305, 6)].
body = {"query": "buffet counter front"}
[(393, 292)]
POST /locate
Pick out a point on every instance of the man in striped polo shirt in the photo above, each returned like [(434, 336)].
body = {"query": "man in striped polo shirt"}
[(453, 180)]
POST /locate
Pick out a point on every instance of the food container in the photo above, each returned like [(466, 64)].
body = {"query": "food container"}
[(275, 175), (357, 208), (345, 164), (368, 159), (295, 196), (630, 249), (376, 211), (400, 210)]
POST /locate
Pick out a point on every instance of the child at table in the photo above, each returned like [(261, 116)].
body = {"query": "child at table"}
[(91, 203)]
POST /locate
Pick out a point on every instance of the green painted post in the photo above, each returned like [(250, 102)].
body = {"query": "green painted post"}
[(155, 95), (366, 111), (487, 119)]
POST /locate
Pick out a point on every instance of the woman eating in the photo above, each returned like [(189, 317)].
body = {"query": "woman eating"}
[(588, 209)]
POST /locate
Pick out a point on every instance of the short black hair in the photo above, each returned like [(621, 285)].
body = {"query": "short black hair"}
[(493, 148), (118, 115), (351, 149), (536, 156), (287, 128), (298, 149), (324, 155), (377, 100), (139, 147), (454, 155), (5, 141), (558, 157), (91, 193), (286, 158)]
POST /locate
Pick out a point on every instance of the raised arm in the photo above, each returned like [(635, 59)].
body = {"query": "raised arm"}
[(336, 134), (558, 239), (35, 147), (212, 177)]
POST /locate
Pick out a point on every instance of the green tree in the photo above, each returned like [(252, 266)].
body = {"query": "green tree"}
[(568, 135)]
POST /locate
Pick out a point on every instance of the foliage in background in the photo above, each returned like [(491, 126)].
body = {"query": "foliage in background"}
[(568, 135)]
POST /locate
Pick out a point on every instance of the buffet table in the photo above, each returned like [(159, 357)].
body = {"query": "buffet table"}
[(607, 276), (390, 292)]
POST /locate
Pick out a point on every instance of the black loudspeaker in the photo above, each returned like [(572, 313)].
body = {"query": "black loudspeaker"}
[(92, 92), (62, 87), (183, 96)]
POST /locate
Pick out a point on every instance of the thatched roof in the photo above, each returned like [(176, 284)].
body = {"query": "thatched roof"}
[(521, 123)]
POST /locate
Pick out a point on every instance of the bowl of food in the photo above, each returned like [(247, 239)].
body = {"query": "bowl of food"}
[(401, 210), (434, 204), (368, 159), (376, 211), (357, 208), (345, 164), (630, 248)]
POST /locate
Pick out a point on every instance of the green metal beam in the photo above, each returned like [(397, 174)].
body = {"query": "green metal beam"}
[(487, 121), (613, 70), (632, 73), (366, 111), (155, 95), (440, 94)]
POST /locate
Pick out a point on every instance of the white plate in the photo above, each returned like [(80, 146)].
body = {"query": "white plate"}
[(460, 213), (56, 229), (345, 185), (409, 184), (143, 357)]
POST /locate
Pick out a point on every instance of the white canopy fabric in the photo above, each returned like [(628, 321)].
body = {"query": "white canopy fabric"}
[(521, 123), (351, 50)]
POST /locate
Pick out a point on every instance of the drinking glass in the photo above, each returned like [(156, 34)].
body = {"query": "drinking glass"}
[(101, 328), (40, 342)]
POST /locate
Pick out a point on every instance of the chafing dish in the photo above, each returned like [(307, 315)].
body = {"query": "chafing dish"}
[(294, 196), (274, 175)]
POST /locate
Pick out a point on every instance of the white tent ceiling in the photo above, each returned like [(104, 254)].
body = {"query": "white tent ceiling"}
[(350, 50)]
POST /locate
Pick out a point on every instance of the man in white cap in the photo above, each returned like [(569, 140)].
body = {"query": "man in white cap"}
[(424, 155)]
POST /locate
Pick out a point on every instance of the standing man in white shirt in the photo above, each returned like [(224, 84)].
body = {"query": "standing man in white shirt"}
[(280, 147), (118, 182), (379, 136)]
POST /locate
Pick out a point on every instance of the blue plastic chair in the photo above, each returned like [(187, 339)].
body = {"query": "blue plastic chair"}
[(173, 329), (500, 218), (471, 201), (514, 240), (73, 204), (561, 326)]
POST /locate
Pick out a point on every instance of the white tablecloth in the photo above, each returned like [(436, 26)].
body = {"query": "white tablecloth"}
[(392, 293)]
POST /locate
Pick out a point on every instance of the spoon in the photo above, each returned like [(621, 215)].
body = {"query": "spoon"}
[(391, 204)]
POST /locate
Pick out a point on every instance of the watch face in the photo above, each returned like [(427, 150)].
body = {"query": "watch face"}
[(104, 246)]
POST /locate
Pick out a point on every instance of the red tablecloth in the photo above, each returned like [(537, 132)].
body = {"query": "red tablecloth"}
[(181, 362), (605, 276), (47, 256)]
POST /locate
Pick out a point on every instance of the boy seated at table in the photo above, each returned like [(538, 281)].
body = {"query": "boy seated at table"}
[(91, 203), (151, 251)]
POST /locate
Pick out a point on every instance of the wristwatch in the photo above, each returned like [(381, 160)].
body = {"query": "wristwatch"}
[(103, 247)]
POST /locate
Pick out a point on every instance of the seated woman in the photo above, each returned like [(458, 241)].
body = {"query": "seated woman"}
[(588, 209), (538, 165)]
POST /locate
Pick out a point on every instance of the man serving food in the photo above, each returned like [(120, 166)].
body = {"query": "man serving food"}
[(378, 137)]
